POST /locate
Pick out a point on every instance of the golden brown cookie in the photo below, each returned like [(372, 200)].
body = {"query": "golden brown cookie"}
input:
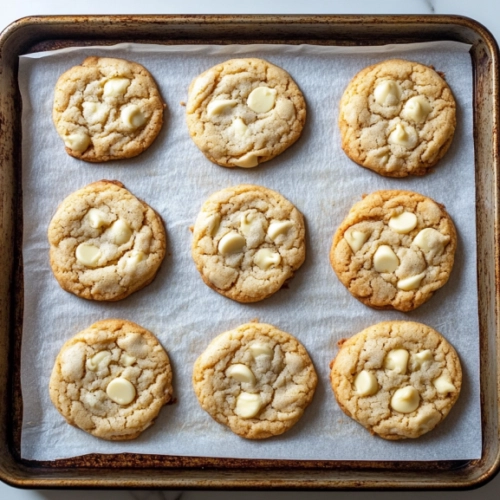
[(107, 109), (394, 249), (255, 379), (243, 112), (397, 118), (111, 380), (399, 379)]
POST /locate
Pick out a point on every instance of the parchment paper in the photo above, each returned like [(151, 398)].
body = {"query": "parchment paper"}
[(175, 178)]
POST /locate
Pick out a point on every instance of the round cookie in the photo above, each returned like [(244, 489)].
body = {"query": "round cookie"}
[(397, 118), (105, 243), (107, 109), (399, 379), (255, 379), (111, 380), (394, 249), (243, 112), (247, 241)]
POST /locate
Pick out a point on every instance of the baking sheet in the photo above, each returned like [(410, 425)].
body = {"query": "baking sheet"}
[(175, 178)]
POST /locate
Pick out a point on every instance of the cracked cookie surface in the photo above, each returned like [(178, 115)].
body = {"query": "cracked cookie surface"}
[(399, 379), (111, 380), (107, 109), (247, 241), (394, 249), (243, 112), (105, 243), (397, 118), (255, 379)]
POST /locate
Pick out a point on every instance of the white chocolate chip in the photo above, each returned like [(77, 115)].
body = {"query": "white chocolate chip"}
[(220, 106), (231, 242), (247, 405), (95, 112), (385, 260), (443, 384), (397, 360), (132, 117), (403, 135), (121, 391), (239, 127), (88, 254), (262, 99), (365, 383), (97, 218), (266, 258), (285, 109), (212, 223), (120, 232), (247, 161), (403, 223), (259, 349), (387, 93), (99, 361), (246, 222), (411, 283), (116, 87), (127, 360), (277, 228), (79, 142), (423, 357), (355, 239), (405, 400), (134, 258), (416, 109), (430, 239), (241, 373)]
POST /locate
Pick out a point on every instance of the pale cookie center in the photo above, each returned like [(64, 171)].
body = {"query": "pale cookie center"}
[(121, 391), (132, 117), (247, 405), (259, 349), (403, 135), (266, 258), (387, 93), (430, 239), (220, 106), (231, 242), (262, 99), (99, 361), (403, 223), (405, 400), (88, 254), (120, 232), (116, 87), (411, 283), (276, 229), (241, 373), (95, 112), (79, 142), (443, 384), (385, 260), (355, 239), (416, 109), (366, 383), (239, 127), (96, 218), (397, 360)]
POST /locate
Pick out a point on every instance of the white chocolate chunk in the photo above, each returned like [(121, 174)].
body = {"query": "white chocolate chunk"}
[(397, 360), (277, 228), (443, 384), (241, 373), (385, 260), (403, 223), (429, 421), (403, 135), (366, 383), (132, 117), (246, 222), (79, 142), (220, 106), (262, 99), (248, 160), (239, 127), (120, 232), (430, 239), (127, 360), (231, 242), (405, 400), (266, 258), (99, 361), (121, 391), (387, 93), (134, 258), (95, 112), (416, 109), (97, 218), (411, 283), (259, 349), (423, 357), (212, 223), (88, 254), (116, 87), (355, 239), (247, 405)]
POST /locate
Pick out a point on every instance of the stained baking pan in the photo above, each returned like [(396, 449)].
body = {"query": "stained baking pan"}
[(159, 471)]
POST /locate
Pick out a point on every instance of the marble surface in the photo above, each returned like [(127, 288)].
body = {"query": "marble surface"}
[(486, 12)]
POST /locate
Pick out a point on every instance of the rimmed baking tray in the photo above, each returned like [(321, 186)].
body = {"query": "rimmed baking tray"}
[(158, 471)]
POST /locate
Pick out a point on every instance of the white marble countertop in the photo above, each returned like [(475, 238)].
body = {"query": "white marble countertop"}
[(486, 12)]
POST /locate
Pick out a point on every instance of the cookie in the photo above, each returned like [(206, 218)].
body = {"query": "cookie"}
[(243, 112), (399, 379), (397, 118), (394, 249), (105, 243), (111, 380), (255, 379), (107, 109), (247, 241)]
